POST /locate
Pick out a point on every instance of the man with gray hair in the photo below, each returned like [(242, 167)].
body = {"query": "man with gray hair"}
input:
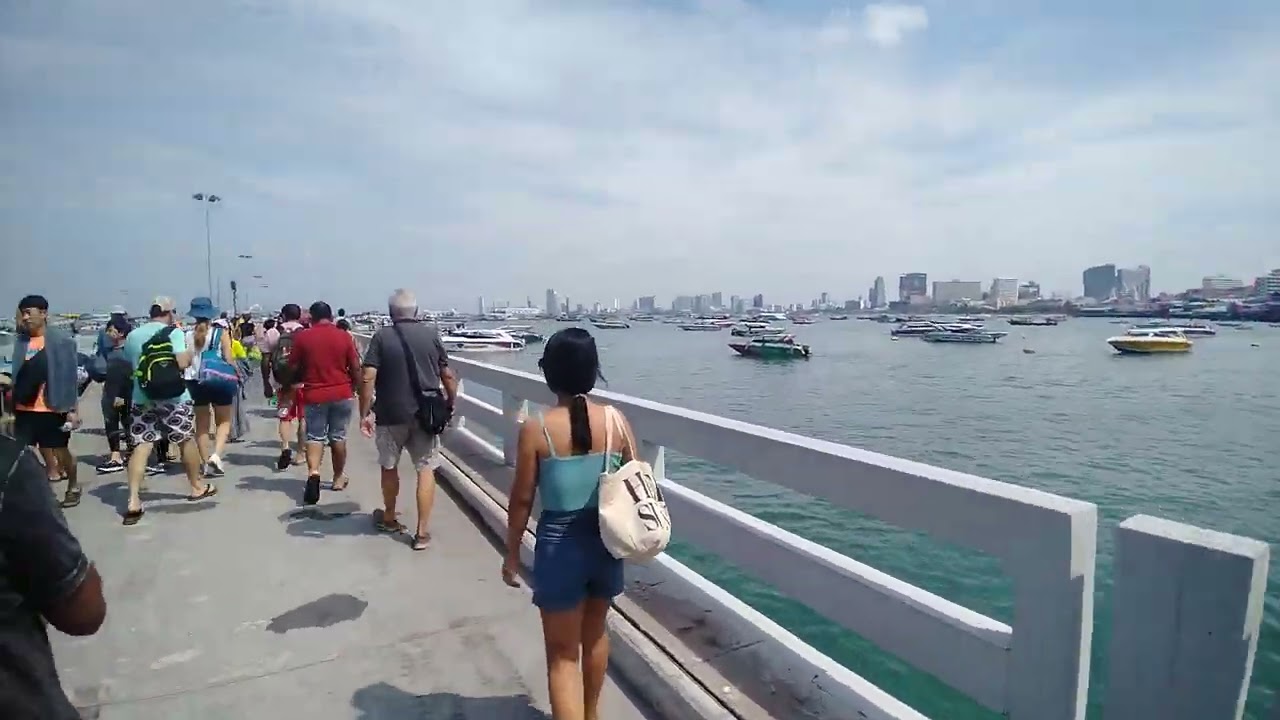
[(404, 364)]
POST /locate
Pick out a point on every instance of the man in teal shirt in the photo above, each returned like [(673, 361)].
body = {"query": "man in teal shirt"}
[(154, 420)]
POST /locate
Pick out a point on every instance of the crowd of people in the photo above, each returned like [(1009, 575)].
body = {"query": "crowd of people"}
[(170, 392)]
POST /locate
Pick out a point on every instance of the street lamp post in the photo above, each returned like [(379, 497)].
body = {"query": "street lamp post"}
[(208, 200)]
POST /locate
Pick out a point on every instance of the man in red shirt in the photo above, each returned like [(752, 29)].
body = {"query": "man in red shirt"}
[(329, 368)]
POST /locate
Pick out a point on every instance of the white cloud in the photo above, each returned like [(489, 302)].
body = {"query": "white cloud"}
[(888, 23)]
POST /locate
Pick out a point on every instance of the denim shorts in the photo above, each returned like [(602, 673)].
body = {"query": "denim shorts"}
[(328, 421), (570, 562)]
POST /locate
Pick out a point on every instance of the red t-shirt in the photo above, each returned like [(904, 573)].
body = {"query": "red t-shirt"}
[(328, 359)]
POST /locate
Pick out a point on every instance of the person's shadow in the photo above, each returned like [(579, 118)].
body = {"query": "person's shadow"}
[(387, 702)]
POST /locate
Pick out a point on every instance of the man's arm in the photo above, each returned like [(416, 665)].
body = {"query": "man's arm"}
[(353, 365), (448, 378), (372, 358), (51, 571), (178, 339)]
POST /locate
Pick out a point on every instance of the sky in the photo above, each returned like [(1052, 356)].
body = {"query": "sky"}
[(617, 149)]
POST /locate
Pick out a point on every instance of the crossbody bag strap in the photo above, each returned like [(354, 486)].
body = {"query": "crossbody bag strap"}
[(608, 436), (410, 362)]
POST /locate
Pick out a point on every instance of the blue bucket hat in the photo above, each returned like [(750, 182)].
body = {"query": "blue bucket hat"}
[(203, 307)]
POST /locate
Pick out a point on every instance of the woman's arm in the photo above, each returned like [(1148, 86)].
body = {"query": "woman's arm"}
[(630, 448), (225, 349), (520, 503)]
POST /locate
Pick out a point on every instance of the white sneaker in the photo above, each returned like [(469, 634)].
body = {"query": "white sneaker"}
[(215, 466)]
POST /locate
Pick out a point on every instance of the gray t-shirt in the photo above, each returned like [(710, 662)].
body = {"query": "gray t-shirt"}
[(394, 403), (41, 564)]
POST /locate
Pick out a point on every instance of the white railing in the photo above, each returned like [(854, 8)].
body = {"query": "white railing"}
[(1038, 668)]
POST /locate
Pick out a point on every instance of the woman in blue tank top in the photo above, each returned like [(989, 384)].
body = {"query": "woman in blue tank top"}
[(560, 457)]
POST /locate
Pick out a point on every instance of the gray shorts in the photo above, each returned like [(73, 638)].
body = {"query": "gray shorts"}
[(391, 440)]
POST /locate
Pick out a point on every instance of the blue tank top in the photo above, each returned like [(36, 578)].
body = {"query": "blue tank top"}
[(571, 483)]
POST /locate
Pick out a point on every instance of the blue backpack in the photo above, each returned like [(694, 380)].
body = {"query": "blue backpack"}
[(215, 372)]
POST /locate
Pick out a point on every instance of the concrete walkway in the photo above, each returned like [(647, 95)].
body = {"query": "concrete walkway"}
[(248, 606)]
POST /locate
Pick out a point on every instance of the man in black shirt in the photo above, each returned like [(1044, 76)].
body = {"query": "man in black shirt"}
[(44, 576)]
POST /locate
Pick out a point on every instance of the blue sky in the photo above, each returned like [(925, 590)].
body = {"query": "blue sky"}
[(613, 149)]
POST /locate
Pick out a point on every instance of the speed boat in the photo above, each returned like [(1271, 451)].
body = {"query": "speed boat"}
[(1151, 341), (464, 340)]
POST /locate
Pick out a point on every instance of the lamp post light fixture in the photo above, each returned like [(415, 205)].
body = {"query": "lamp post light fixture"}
[(208, 200)]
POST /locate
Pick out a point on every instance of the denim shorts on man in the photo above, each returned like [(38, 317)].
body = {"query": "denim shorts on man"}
[(328, 421)]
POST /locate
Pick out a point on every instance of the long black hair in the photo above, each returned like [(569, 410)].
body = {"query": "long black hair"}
[(571, 365)]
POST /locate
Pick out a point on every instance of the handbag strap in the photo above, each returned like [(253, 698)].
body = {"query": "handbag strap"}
[(410, 362), (608, 437)]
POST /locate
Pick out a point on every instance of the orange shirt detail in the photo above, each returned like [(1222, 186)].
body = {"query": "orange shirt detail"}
[(35, 345)]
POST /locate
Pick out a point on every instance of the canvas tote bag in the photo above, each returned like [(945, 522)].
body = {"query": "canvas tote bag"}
[(634, 522)]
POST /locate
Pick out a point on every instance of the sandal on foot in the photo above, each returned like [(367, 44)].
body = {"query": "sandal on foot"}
[(380, 522), (132, 517), (340, 483), (71, 499), (422, 541), (209, 491)]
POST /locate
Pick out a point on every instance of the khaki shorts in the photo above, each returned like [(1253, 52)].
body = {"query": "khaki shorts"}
[(391, 440)]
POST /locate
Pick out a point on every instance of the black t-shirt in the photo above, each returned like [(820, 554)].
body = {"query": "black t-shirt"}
[(40, 564), (394, 403)]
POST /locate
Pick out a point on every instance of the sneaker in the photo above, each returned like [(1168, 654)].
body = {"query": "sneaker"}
[(214, 467), (285, 460), (157, 468), (110, 466), (311, 495)]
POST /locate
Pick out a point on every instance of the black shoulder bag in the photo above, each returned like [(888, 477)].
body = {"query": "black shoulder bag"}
[(433, 413)]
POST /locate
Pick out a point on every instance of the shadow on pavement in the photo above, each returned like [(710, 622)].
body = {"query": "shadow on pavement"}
[(116, 494), (387, 702), (318, 521), (286, 485)]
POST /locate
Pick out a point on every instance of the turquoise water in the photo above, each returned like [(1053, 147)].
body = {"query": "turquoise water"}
[(1188, 438)]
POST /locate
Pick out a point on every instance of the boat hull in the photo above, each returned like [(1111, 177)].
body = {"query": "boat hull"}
[(1128, 347), (799, 352)]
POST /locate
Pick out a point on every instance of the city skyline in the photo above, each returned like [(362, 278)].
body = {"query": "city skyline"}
[(470, 149)]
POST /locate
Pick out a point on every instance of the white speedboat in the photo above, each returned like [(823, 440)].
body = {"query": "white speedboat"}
[(464, 340), (1151, 341), (962, 333), (522, 332), (1190, 329), (702, 326), (610, 324), (916, 328)]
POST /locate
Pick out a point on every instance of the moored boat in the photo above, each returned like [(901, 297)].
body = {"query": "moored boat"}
[(702, 326), (960, 333), (771, 346), (523, 332), (1033, 320), (1151, 341), (611, 324), (464, 340)]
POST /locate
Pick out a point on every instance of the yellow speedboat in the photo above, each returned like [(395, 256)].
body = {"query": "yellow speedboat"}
[(1151, 341)]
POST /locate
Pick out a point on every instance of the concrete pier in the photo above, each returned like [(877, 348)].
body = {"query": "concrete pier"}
[(248, 606)]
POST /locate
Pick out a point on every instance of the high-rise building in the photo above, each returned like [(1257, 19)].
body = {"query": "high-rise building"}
[(1029, 290), (913, 287), (1004, 292), (702, 303), (954, 291), (1220, 283), (1134, 283), (682, 303), (757, 301), (1271, 282), (738, 306), (480, 303), (717, 300), (879, 298), (1100, 282), (647, 304), (824, 299), (553, 303)]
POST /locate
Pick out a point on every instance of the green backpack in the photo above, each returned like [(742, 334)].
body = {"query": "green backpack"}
[(157, 373)]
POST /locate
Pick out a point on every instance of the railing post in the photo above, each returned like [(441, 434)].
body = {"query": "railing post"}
[(514, 410), (655, 455), (1052, 574), (1186, 611)]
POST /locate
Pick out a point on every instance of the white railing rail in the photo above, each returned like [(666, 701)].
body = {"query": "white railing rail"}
[(1037, 668)]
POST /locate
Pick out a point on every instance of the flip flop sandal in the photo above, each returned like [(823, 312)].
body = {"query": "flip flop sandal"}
[(71, 499), (421, 542), (133, 516), (380, 522), (209, 491), (340, 484)]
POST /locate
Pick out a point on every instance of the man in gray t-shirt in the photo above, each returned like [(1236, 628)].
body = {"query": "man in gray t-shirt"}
[(388, 406)]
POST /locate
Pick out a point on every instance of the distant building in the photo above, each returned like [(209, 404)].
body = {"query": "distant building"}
[(879, 298), (1029, 291), (738, 306), (1134, 283), (553, 303), (1100, 282), (647, 304), (757, 301), (1271, 282), (682, 303), (1004, 292), (947, 292), (717, 300), (480, 304), (1220, 283), (913, 287)]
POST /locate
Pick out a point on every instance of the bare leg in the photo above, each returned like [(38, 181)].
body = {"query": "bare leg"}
[(595, 654), (67, 461), (338, 451), (137, 471), (191, 463), (426, 497), (390, 490), (221, 428), (562, 637), (202, 432), (315, 456), (50, 464)]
